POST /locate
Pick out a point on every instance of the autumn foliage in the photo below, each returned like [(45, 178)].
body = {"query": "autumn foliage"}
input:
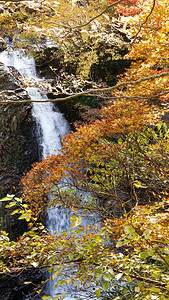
[(124, 138), (116, 166), (129, 7)]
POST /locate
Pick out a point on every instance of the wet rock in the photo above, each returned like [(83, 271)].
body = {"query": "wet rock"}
[(107, 69), (18, 150), (3, 44), (18, 145), (11, 84)]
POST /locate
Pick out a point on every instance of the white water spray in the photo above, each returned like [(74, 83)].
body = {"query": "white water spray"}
[(51, 127)]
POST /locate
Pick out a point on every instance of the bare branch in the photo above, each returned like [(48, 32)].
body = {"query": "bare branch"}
[(91, 92), (145, 21), (133, 97)]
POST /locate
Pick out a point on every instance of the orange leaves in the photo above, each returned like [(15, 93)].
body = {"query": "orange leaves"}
[(81, 149), (153, 46), (126, 115), (91, 145)]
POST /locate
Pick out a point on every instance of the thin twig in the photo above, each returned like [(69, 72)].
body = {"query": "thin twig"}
[(145, 21), (88, 22)]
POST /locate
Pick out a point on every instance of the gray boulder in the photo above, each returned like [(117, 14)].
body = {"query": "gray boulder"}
[(11, 85)]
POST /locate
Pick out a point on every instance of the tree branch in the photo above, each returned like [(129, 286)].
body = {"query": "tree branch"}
[(133, 275), (100, 14), (90, 92), (145, 21), (88, 22)]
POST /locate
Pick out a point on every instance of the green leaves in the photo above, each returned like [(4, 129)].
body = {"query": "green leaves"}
[(55, 274), (144, 255), (75, 221), (97, 238), (107, 277), (97, 292), (128, 278), (130, 231), (130, 234), (102, 266), (26, 215), (23, 210), (105, 285)]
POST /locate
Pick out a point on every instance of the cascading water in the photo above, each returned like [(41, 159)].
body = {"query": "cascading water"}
[(51, 127), (50, 123)]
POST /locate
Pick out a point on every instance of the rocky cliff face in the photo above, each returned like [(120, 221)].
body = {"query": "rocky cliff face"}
[(14, 286), (18, 146), (18, 150)]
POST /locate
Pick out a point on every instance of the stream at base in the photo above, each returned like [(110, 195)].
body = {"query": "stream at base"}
[(51, 126)]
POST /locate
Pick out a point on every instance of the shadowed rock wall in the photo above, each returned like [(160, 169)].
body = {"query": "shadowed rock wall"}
[(18, 146)]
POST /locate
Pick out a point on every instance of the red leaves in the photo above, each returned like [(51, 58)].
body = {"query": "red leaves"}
[(129, 7), (80, 150)]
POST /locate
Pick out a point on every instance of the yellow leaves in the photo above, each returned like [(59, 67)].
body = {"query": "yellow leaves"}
[(45, 297), (167, 26)]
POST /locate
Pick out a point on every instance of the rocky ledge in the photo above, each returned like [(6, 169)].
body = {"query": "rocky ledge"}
[(19, 286)]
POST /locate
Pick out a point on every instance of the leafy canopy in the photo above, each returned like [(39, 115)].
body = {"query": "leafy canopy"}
[(122, 160)]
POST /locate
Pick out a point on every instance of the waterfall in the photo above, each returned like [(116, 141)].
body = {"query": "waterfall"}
[(51, 124), (51, 127)]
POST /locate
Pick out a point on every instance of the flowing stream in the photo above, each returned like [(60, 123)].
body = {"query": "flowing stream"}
[(51, 127)]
